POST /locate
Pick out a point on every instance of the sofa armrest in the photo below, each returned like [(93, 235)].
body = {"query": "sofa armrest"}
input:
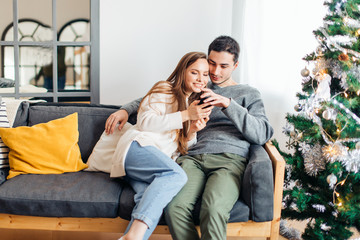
[(278, 164), (258, 185)]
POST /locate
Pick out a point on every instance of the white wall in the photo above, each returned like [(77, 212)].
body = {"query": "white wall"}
[(277, 35), (141, 41)]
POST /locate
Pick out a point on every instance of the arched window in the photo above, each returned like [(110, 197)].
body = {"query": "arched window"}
[(29, 30), (75, 31), (31, 58), (76, 57)]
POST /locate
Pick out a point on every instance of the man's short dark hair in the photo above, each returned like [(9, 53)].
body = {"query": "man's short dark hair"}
[(225, 44)]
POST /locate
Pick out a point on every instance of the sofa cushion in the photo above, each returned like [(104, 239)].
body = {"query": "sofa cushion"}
[(44, 148), (92, 118), (80, 194), (239, 213)]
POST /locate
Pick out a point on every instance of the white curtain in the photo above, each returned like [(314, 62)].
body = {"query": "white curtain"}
[(274, 36)]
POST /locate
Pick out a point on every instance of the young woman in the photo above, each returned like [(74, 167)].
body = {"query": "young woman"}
[(166, 126)]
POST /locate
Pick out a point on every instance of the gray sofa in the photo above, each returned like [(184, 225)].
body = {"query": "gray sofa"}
[(94, 194)]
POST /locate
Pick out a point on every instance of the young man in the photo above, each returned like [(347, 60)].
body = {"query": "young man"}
[(215, 165)]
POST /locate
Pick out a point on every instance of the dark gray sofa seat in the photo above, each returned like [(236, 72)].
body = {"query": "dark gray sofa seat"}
[(80, 194), (89, 194)]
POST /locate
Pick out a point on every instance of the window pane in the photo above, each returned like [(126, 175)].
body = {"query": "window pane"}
[(77, 62), (35, 65), (6, 13), (41, 12), (74, 21), (7, 72), (75, 31)]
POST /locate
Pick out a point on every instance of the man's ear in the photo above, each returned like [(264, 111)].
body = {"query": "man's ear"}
[(236, 65)]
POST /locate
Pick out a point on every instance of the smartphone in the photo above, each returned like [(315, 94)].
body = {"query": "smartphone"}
[(202, 101)]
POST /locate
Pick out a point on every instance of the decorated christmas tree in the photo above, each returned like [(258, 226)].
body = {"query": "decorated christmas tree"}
[(322, 182)]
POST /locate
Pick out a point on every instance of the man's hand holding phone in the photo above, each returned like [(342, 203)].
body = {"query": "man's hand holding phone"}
[(204, 105), (208, 97)]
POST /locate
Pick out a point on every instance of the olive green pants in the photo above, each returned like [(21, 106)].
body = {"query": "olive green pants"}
[(216, 178)]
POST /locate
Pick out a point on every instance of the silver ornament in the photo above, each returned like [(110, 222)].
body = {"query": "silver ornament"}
[(326, 114), (298, 107), (305, 72), (314, 161), (329, 114), (332, 180)]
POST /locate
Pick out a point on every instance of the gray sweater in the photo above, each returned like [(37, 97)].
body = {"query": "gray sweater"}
[(233, 129)]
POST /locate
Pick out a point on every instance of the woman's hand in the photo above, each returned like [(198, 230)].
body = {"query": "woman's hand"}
[(196, 126), (195, 111), (215, 99), (121, 116)]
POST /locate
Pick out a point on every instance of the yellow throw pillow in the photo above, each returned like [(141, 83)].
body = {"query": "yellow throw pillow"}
[(45, 148)]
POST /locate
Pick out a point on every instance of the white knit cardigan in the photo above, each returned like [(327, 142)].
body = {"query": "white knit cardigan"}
[(156, 126)]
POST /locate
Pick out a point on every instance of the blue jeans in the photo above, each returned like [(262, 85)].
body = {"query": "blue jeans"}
[(156, 179)]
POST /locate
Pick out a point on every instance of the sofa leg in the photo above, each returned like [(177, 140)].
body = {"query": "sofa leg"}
[(275, 229), (273, 237)]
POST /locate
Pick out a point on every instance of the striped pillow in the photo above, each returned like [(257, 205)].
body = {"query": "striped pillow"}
[(4, 150)]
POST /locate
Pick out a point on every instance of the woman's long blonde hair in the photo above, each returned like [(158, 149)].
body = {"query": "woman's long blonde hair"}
[(175, 86)]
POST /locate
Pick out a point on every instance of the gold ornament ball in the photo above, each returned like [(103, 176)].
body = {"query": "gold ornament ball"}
[(305, 72), (357, 146)]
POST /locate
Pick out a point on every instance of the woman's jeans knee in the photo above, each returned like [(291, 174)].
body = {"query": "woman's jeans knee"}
[(155, 178)]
